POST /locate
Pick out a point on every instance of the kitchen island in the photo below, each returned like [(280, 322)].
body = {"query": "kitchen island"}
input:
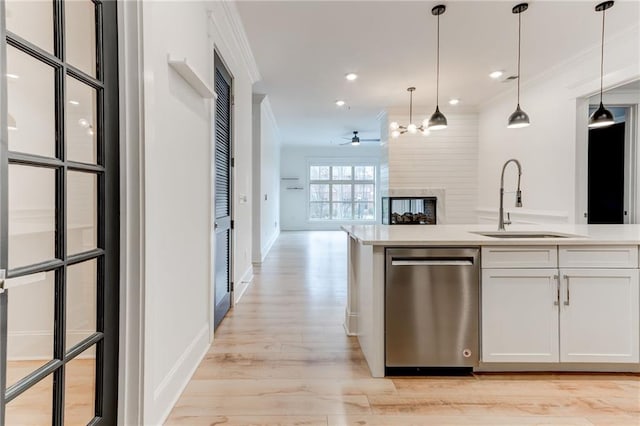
[(553, 297)]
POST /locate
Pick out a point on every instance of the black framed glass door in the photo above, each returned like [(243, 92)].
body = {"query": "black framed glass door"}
[(59, 212)]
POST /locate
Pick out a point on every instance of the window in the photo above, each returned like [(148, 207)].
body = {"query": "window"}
[(342, 192)]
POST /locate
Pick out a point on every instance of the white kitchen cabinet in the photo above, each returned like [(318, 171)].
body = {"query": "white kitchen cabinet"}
[(599, 315), (520, 315)]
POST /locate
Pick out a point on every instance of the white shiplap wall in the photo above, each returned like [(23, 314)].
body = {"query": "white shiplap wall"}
[(445, 159)]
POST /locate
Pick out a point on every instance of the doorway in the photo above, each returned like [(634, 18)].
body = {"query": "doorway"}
[(609, 177), (59, 229), (223, 226)]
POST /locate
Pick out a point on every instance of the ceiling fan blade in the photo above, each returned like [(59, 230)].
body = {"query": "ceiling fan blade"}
[(346, 143), (369, 140)]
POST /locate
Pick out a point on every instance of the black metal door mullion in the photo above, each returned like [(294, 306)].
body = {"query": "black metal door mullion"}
[(61, 216)]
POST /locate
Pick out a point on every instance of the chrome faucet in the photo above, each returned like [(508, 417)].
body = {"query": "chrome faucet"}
[(501, 222)]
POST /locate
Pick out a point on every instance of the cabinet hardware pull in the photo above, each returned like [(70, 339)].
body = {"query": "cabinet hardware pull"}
[(566, 302), (557, 301)]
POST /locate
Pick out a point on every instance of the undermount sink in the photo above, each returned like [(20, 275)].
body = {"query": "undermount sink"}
[(525, 234)]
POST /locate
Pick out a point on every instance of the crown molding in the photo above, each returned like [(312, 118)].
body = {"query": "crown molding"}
[(237, 43)]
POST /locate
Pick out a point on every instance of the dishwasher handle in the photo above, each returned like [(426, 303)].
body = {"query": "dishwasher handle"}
[(462, 261)]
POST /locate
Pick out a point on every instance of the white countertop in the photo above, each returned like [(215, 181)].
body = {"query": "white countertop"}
[(457, 235)]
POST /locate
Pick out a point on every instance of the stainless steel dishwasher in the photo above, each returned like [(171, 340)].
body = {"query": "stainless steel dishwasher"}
[(431, 309)]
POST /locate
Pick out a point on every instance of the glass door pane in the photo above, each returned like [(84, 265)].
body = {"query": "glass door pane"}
[(58, 197)]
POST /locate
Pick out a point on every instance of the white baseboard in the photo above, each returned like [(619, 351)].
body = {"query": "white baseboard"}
[(166, 394), (267, 248), (241, 287), (350, 323)]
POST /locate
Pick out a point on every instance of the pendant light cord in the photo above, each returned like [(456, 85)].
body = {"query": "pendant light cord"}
[(519, 36), (602, 57), (438, 65), (410, 106)]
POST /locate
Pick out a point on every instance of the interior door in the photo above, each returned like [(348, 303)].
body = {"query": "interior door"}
[(58, 212), (606, 174), (223, 184)]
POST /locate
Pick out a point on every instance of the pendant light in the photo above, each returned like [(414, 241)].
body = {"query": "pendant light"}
[(519, 118), (438, 121), (397, 129), (602, 117)]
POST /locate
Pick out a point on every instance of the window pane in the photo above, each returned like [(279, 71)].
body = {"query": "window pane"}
[(341, 192), (31, 104), (341, 173), (32, 205), (82, 219), (81, 302), (31, 20), (319, 211), (364, 173), (80, 32), (363, 211), (30, 324), (318, 192), (319, 172), (341, 211), (82, 129), (363, 192), (80, 385), (34, 406)]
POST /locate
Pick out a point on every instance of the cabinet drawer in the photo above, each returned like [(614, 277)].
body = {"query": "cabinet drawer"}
[(598, 256), (519, 257)]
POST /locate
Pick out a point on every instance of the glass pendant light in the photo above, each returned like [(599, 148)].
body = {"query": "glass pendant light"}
[(519, 118), (438, 121), (602, 117)]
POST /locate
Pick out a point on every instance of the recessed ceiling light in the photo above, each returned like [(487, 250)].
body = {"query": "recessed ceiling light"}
[(74, 102), (351, 76), (340, 102), (13, 76), (454, 101), (496, 74)]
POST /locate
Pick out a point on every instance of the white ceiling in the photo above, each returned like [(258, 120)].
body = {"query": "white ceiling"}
[(304, 48)]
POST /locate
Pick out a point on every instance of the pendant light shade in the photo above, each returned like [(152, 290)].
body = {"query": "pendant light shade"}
[(602, 117), (519, 118), (437, 120)]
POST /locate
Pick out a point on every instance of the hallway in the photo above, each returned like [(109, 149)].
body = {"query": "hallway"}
[(281, 357)]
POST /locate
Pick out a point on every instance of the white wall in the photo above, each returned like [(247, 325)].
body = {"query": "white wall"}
[(555, 143), (266, 178), (175, 189), (295, 162), (446, 159)]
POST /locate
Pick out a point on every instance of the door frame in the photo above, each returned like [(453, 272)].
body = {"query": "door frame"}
[(216, 53)]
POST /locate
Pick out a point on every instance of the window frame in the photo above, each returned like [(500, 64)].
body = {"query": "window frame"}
[(362, 162)]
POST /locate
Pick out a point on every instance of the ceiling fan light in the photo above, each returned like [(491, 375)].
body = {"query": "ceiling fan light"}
[(518, 119), (601, 117), (395, 134), (394, 125), (355, 143), (437, 121)]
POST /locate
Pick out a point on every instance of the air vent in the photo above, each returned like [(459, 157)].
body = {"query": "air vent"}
[(510, 79)]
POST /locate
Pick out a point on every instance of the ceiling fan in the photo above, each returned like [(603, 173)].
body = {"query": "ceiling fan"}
[(355, 140)]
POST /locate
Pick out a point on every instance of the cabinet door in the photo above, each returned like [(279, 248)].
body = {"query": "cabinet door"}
[(599, 315), (520, 315)]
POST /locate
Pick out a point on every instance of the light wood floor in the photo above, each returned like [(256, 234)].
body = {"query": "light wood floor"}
[(281, 357)]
